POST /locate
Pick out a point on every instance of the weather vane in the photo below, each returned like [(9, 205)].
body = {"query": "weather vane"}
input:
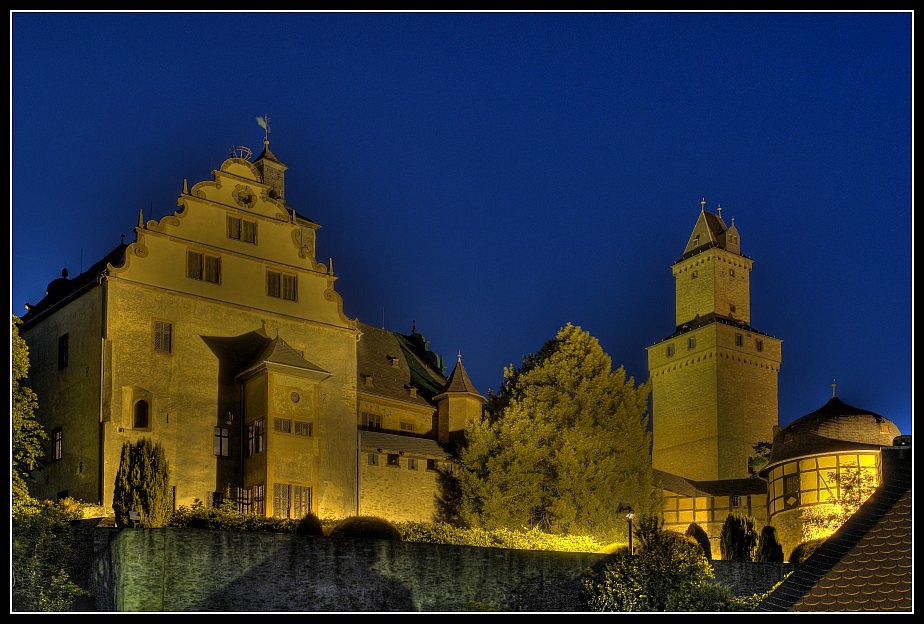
[(264, 123)]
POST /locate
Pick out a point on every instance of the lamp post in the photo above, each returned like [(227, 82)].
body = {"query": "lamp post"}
[(629, 517), (630, 514)]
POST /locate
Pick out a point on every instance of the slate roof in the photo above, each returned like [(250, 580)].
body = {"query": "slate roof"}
[(62, 288), (408, 445), (867, 564), (834, 427), (277, 351), (723, 487), (396, 363), (459, 380)]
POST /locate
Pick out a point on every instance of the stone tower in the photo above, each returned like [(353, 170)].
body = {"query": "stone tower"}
[(714, 379)]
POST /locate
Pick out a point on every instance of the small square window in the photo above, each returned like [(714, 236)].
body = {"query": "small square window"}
[(412, 463), (393, 460), (373, 459)]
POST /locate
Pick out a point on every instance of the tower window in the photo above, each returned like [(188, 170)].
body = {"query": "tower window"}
[(670, 350), (57, 444), (393, 460), (242, 229), (163, 336), (731, 308), (202, 267), (373, 459), (282, 285), (694, 274), (63, 351), (222, 441), (731, 272), (760, 344), (739, 340), (372, 421), (691, 342), (141, 416)]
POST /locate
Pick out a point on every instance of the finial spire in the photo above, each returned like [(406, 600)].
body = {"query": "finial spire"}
[(141, 217), (719, 210), (834, 389), (702, 204)]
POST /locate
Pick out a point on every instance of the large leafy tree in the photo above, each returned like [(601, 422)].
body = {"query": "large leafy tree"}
[(28, 435), (142, 484), (561, 445)]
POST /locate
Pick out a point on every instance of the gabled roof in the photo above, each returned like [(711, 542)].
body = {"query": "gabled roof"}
[(867, 564), (722, 487)]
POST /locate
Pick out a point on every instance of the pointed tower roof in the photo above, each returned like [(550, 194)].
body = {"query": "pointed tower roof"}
[(266, 154), (459, 380), (710, 231)]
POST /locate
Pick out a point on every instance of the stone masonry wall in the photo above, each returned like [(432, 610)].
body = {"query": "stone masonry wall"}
[(198, 570)]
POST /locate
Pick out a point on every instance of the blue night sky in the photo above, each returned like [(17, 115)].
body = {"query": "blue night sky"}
[(494, 176)]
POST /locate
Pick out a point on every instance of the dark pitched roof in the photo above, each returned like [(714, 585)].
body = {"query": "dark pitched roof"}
[(709, 319), (396, 363), (867, 564), (62, 288), (409, 445), (835, 426), (459, 380), (722, 487), (277, 351)]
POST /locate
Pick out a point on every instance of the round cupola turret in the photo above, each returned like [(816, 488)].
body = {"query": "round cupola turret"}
[(833, 427)]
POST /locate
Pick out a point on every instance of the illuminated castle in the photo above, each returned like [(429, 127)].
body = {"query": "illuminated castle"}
[(218, 334), (714, 397)]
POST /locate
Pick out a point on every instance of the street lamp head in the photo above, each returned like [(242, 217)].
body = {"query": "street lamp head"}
[(630, 516)]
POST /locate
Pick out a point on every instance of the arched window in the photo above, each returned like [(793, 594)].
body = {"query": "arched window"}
[(141, 415)]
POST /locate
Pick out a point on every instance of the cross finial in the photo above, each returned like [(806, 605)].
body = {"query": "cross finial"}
[(702, 204), (834, 389)]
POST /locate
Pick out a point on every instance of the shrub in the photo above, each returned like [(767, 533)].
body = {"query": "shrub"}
[(370, 527), (669, 573), (739, 539), (699, 534), (142, 484), (226, 517), (769, 549), (45, 562), (309, 525), (804, 550)]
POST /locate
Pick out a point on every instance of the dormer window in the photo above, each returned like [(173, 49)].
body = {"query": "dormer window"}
[(367, 379)]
